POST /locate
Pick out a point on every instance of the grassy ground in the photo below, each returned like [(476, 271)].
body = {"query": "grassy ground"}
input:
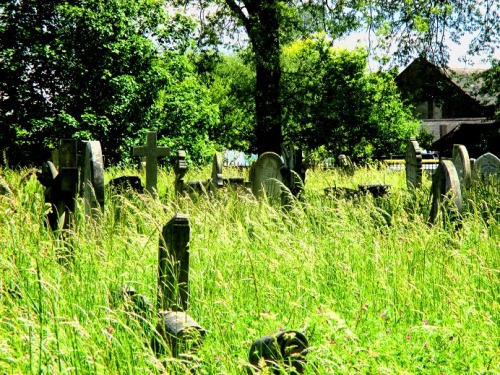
[(375, 289)]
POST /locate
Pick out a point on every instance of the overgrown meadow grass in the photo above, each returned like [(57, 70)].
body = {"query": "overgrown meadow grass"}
[(375, 289)]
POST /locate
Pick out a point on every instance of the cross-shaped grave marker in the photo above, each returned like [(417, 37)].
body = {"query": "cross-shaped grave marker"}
[(152, 153)]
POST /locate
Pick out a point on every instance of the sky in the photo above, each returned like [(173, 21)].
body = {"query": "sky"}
[(457, 51)]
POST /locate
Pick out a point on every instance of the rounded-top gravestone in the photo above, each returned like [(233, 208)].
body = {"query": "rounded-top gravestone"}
[(461, 161), (93, 174), (265, 175), (486, 168), (446, 189)]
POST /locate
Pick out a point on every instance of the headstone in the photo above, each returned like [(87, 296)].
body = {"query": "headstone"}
[(173, 264), (486, 168), (180, 169), (293, 171), (461, 161), (265, 175), (93, 183), (278, 353), (176, 327), (413, 164), (217, 178), (67, 156), (152, 153), (61, 185), (446, 189)]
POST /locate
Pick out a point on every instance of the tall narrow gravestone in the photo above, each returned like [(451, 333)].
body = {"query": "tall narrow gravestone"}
[(217, 181), (265, 175), (413, 164), (461, 161), (151, 152), (486, 168), (446, 192), (93, 183), (176, 327)]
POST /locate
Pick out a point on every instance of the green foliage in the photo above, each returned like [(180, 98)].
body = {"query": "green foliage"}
[(330, 99), (98, 70), (425, 138), (491, 86), (232, 87)]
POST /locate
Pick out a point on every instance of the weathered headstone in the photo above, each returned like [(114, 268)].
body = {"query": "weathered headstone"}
[(93, 184), (265, 175), (413, 164), (280, 352), (217, 181), (180, 169), (486, 168), (293, 171), (176, 327), (68, 154), (152, 152), (446, 189), (461, 161), (61, 184), (173, 264)]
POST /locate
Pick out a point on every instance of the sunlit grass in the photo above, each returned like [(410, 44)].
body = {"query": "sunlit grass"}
[(374, 287)]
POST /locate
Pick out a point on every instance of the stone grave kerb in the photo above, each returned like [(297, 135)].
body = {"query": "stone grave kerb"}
[(413, 164), (151, 152)]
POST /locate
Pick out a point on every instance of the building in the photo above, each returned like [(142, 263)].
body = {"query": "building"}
[(451, 106)]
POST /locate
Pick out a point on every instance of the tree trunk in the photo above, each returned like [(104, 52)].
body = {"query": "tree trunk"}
[(263, 30)]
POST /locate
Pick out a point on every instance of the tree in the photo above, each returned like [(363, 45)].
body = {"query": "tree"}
[(232, 86), (90, 69), (410, 28), (330, 99)]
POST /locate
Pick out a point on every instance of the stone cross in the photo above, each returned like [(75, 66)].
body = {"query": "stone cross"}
[(152, 153)]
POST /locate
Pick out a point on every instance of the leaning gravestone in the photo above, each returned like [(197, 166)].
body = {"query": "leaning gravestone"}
[(265, 175), (486, 168), (152, 153), (413, 164), (93, 183), (176, 327), (461, 161), (446, 190)]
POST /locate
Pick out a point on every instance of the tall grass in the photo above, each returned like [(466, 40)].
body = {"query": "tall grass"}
[(375, 289)]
